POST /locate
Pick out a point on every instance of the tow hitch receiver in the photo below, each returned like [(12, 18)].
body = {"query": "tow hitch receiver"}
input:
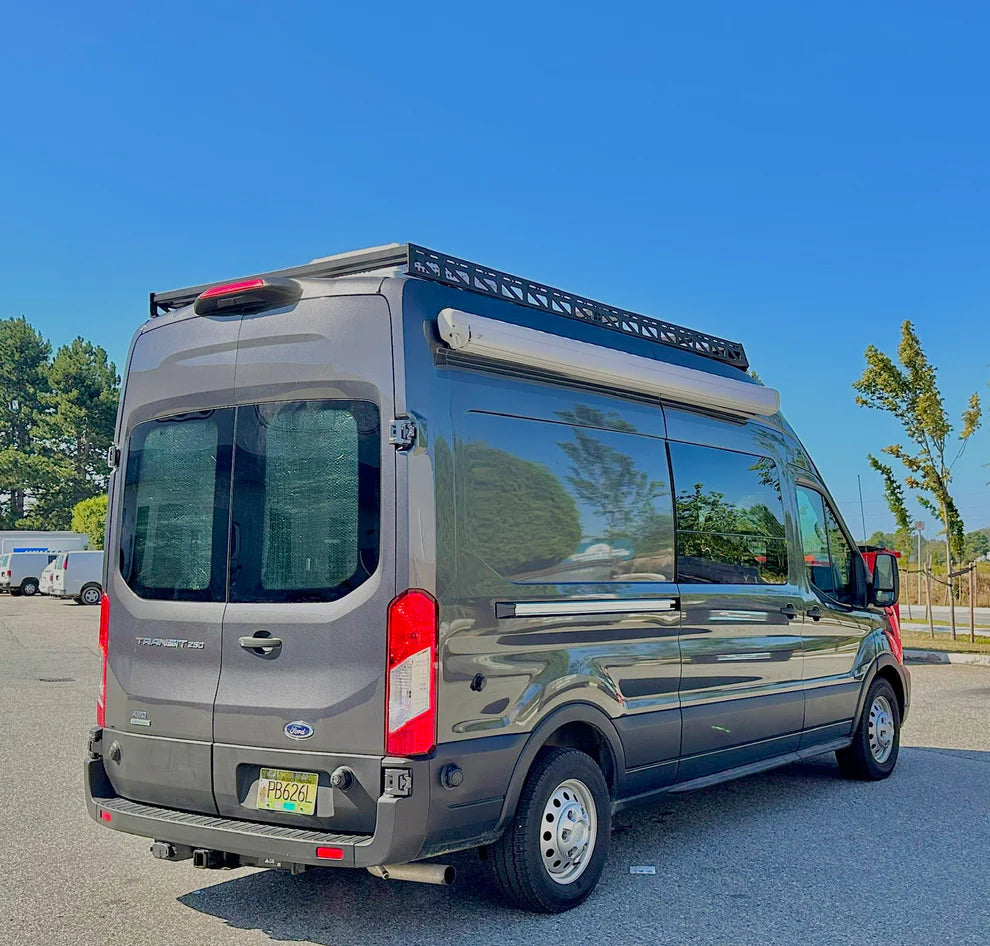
[(214, 860)]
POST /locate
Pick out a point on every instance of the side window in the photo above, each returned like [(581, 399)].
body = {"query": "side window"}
[(552, 502), (174, 514), (730, 517), (828, 557)]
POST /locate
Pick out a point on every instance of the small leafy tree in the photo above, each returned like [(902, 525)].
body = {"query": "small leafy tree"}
[(909, 392), (90, 516)]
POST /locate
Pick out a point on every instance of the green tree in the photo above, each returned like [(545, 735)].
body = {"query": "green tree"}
[(75, 432), (977, 545), (910, 393), (90, 516), (24, 368), (900, 541)]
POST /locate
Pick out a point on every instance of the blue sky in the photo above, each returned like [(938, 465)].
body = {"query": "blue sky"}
[(800, 177)]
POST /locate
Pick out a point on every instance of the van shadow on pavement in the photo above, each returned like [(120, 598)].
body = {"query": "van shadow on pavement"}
[(332, 907)]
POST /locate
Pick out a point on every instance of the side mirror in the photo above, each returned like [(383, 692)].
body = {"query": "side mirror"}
[(886, 584)]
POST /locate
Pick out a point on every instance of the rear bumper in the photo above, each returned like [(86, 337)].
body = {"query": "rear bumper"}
[(399, 831)]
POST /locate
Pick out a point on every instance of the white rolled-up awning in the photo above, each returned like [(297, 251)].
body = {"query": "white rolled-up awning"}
[(516, 344)]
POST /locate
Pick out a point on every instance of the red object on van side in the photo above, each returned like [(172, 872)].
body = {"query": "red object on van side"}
[(894, 612)]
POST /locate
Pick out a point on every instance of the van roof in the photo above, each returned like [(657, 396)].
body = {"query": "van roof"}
[(411, 260)]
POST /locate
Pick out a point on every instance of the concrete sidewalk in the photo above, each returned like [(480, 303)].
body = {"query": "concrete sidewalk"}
[(912, 655)]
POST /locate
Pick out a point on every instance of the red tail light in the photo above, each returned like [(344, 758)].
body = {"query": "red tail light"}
[(330, 853), (101, 699), (411, 690)]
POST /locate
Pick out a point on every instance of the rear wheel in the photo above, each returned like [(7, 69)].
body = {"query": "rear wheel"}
[(29, 587), (552, 854), (877, 740), (90, 594)]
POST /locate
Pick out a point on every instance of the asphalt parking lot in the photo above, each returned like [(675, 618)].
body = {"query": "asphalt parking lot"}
[(794, 856)]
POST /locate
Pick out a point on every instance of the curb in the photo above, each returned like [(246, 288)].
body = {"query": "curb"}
[(945, 657)]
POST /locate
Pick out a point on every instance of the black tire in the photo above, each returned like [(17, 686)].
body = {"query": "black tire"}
[(29, 587), (90, 594), (517, 858), (862, 760)]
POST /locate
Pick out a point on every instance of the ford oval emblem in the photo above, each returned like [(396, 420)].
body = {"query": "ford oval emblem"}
[(298, 730)]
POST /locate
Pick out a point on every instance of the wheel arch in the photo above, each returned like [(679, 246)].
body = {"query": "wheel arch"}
[(576, 726), (886, 667)]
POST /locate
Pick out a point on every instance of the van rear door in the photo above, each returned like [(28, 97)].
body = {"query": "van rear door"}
[(302, 687), (166, 575)]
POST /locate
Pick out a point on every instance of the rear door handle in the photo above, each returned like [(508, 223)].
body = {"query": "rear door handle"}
[(815, 613), (789, 612), (260, 643)]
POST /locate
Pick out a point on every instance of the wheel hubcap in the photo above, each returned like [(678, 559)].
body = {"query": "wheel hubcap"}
[(568, 831), (90, 596), (881, 729)]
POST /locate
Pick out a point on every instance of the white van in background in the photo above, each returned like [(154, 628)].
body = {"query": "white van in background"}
[(47, 580), (20, 572), (79, 576)]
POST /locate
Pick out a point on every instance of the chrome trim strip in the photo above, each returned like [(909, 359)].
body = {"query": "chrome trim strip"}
[(532, 609)]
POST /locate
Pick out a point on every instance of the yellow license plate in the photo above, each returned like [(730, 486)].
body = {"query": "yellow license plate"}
[(279, 790)]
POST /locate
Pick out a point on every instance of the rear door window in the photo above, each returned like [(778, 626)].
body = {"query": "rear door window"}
[(304, 522), (175, 507), (306, 500)]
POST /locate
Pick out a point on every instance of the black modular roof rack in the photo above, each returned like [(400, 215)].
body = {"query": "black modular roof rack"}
[(462, 274)]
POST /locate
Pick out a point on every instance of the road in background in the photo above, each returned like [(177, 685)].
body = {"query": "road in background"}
[(798, 855), (940, 614)]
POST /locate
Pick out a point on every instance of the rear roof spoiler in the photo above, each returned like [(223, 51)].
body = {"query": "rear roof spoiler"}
[(422, 263)]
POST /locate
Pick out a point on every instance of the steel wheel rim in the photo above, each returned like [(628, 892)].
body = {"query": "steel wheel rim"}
[(568, 831), (91, 596), (881, 729)]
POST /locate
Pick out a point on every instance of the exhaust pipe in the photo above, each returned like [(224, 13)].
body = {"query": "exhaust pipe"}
[(440, 874)]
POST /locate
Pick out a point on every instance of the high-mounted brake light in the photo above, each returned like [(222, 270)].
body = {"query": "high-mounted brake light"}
[(231, 288), (411, 700), (101, 699), (247, 295)]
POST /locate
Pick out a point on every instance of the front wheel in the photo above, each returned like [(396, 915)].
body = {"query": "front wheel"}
[(552, 854), (29, 587), (877, 739), (91, 594)]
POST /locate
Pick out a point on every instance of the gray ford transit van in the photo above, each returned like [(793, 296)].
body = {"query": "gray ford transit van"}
[(406, 556)]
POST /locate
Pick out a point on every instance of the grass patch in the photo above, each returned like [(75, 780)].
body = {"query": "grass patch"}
[(916, 640)]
